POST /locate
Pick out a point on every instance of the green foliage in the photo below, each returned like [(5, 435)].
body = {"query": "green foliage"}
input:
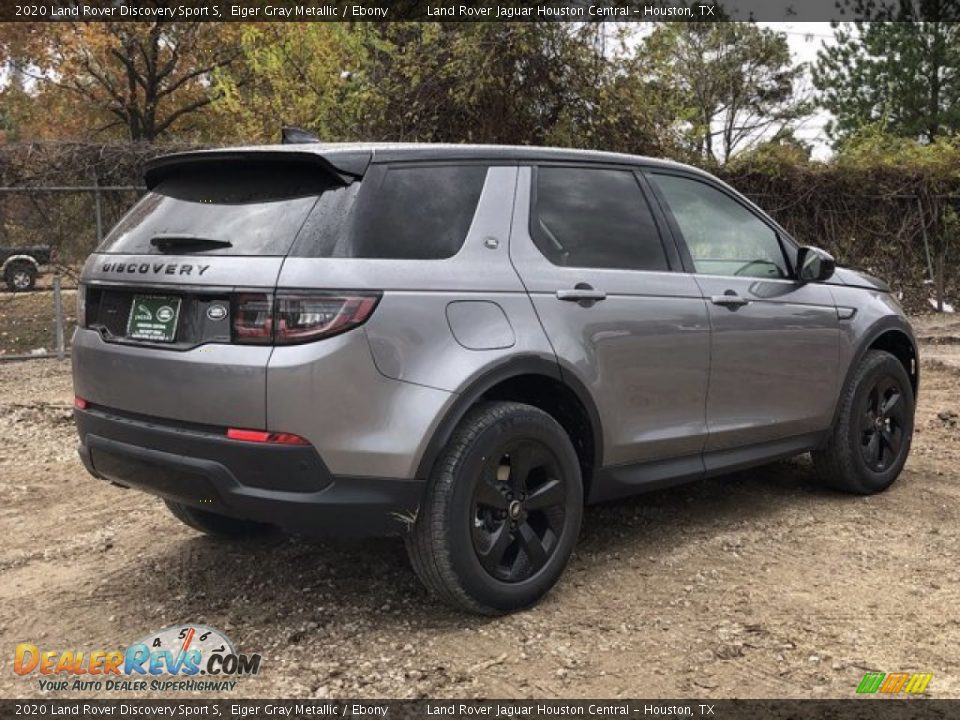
[(515, 83), (877, 205), (307, 75), (903, 77)]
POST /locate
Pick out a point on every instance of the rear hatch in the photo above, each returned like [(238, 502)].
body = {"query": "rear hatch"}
[(178, 292)]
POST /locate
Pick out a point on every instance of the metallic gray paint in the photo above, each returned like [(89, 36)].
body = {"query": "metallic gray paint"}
[(857, 278), (212, 384), (643, 352), (361, 422), (877, 313), (677, 385), (774, 361)]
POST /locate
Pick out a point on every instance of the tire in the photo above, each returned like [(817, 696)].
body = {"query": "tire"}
[(214, 524), (870, 442), (502, 511), (20, 277)]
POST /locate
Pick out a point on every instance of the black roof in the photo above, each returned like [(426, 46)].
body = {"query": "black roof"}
[(352, 158)]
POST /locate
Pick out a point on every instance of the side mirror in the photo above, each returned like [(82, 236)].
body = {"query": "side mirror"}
[(814, 265)]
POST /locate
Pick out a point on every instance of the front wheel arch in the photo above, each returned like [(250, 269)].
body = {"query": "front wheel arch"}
[(889, 332)]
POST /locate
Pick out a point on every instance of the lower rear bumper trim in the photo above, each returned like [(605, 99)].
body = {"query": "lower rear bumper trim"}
[(200, 471)]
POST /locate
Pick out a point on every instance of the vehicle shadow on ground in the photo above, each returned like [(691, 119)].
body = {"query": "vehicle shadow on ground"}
[(282, 581)]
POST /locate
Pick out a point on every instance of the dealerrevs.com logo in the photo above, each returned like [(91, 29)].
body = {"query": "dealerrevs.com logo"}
[(177, 658)]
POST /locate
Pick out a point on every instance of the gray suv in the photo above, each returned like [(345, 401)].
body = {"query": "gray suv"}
[(462, 345)]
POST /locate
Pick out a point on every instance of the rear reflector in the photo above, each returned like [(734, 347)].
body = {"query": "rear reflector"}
[(261, 436), (79, 403)]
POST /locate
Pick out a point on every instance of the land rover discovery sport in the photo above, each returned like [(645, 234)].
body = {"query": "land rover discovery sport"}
[(462, 345)]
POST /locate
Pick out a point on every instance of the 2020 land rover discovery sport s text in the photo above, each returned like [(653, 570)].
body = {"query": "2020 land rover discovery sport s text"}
[(463, 345)]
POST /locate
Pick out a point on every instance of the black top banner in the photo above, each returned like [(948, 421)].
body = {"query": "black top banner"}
[(708, 709), (489, 11)]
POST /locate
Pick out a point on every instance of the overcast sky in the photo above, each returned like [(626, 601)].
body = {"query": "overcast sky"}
[(805, 39)]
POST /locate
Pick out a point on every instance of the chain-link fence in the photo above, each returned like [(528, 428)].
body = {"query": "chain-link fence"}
[(73, 219)]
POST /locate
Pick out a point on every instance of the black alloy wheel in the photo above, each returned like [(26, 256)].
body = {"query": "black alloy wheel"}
[(883, 424), (869, 443), (518, 515), (501, 512)]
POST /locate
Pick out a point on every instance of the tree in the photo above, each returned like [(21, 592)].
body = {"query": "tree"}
[(629, 111), (904, 76), (141, 79), (519, 83), (312, 75), (480, 82), (737, 80)]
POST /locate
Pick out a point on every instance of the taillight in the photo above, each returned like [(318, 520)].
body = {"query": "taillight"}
[(262, 436), (298, 318), (253, 318), (79, 403), (302, 318)]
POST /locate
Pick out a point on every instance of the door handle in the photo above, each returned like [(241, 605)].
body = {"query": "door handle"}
[(581, 294), (729, 299)]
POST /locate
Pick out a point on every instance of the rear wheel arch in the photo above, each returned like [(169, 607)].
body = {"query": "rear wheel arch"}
[(535, 381)]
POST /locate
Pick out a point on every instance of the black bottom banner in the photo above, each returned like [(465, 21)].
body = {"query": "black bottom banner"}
[(866, 708)]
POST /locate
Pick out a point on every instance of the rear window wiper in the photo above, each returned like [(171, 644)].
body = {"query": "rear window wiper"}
[(168, 243)]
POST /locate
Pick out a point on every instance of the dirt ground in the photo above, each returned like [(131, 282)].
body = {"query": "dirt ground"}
[(758, 584)]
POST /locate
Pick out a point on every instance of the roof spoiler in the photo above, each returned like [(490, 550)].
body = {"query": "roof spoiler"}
[(344, 166)]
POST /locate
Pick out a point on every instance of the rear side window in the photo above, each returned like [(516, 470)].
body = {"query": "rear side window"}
[(244, 209), (400, 213), (594, 217), (418, 213)]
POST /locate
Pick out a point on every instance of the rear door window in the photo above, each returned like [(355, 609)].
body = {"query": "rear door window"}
[(236, 209), (595, 218)]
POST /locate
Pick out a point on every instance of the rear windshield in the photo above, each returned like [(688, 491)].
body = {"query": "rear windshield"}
[(258, 208), (397, 212)]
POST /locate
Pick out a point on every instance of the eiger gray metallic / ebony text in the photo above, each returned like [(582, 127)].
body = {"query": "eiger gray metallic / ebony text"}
[(462, 345)]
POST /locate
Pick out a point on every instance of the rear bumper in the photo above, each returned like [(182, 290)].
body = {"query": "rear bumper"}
[(287, 486)]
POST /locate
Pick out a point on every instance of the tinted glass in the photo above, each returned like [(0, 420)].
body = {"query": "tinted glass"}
[(256, 208), (585, 217), (723, 236), (417, 213)]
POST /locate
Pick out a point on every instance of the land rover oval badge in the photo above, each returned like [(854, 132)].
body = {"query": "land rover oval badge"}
[(217, 312)]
